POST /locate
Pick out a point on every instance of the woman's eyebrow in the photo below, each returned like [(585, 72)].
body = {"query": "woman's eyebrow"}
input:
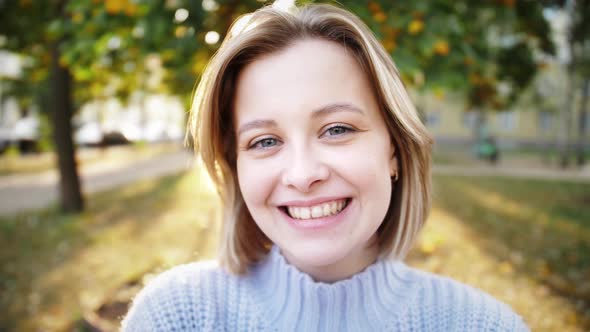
[(256, 124), (336, 107), (322, 111)]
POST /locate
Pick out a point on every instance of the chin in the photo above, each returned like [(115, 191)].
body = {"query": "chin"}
[(314, 254)]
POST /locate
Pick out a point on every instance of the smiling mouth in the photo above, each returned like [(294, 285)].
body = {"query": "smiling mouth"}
[(322, 210)]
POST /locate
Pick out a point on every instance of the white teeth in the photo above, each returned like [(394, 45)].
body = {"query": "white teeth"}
[(317, 211), (304, 213), (327, 209), (334, 207)]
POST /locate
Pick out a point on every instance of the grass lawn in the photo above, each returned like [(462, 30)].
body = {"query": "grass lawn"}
[(55, 268), (526, 242)]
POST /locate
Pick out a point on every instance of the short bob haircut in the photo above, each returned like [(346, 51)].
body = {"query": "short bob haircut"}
[(269, 30)]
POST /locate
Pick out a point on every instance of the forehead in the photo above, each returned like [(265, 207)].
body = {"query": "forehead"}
[(304, 76)]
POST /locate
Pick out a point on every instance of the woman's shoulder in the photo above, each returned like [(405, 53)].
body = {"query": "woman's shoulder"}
[(446, 301), (183, 298), (192, 274), (184, 279)]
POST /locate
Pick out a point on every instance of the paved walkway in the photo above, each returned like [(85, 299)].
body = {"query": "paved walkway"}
[(579, 175), (33, 191)]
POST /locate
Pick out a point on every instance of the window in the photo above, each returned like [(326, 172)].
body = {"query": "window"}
[(545, 121), (469, 119), (433, 119), (507, 120)]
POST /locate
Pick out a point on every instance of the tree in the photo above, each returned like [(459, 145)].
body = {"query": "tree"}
[(580, 45), (62, 109), (578, 70), (83, 47), (24, 24), (482, 48), (99, 49)]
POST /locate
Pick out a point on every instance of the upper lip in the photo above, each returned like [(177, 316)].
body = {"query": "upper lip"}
[(311, 202)]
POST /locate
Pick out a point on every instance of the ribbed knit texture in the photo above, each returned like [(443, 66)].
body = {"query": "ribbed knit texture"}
[(276, 296)]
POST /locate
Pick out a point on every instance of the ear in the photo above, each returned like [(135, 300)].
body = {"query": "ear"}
[(393, 163)]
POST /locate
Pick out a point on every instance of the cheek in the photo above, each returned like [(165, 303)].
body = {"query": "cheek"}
[(254, 183), (362, 166), (375, 192), (372, 178), (369, 174)]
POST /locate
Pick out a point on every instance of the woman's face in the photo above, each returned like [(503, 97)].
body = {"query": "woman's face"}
[(314, 157)]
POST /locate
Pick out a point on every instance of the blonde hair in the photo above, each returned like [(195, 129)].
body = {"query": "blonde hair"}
[(269, 30)]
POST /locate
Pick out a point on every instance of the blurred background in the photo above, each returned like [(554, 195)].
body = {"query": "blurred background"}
[(98, 192)]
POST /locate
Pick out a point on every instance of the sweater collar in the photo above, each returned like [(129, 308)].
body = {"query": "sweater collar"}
[(292, 299)]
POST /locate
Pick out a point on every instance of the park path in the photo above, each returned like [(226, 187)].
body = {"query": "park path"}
[(540, 173), (19, 193)]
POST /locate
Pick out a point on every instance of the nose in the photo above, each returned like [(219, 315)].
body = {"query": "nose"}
[(304, 170)]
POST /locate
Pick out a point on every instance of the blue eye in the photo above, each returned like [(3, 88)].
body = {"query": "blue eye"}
[(264, 143), (337, 130)]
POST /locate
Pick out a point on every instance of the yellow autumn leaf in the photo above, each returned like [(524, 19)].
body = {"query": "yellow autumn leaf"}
[(63, 62), (427, 247), (415, 27), (180, 31), (439, 94), (379, 17), (389, 45), (114, 6), (374, 7), (506, 268), (200, 61), (441, 47), (167, 55), (431, 241), (37, 76), (130, 9), (95, 89), (77, 17)]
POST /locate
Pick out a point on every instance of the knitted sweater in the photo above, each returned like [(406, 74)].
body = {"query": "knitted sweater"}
[(276, 296)]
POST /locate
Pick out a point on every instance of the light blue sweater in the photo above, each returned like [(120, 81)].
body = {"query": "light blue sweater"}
[(275, 296)]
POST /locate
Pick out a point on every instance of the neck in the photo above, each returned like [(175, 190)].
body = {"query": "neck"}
[(290, 299), (342, 269)]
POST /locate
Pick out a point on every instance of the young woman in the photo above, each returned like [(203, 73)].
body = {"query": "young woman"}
[(323, 168)]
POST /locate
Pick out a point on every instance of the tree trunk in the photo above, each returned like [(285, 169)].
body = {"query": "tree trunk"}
[(1, 105), (565, 121), (582, 123), (565, 114), (61, 101), (480, 126)]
